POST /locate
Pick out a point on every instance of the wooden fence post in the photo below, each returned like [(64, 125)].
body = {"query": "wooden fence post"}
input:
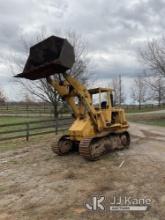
[(27, 109), (27, 131), (44, 107), (56, 125)]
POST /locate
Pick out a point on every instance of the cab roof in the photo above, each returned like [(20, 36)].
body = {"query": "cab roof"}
[(99, 89)]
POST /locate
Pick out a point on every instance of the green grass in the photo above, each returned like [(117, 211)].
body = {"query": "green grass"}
[(12, 145), (15, 119), (9, 132), (156, 122), (157, 119), (147, 109)]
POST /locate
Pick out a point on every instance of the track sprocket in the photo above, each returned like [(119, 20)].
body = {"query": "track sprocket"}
[(63, 147)]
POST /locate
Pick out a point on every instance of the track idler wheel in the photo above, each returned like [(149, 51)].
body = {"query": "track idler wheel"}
[(63, 147)]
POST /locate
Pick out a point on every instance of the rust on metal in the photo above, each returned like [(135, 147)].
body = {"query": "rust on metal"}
[(94, 148)]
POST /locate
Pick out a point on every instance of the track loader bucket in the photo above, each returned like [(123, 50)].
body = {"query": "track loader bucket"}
[(51, 56)]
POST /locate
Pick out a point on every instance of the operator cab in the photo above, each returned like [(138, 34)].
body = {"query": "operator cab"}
[(102, 98)]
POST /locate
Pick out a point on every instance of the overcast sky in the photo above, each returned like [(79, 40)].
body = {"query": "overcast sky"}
[(114, 30)]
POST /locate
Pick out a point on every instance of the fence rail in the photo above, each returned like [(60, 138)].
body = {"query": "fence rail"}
[(32, 128), (29, 109)]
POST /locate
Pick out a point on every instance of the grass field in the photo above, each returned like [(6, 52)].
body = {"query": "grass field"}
[(7, 132), (23, 127), (156, 122), (135, 109), (19, 130), (21, 143), (17, 119), (148, 118)]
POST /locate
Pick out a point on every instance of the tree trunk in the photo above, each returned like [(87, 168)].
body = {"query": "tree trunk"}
[(159, 98)]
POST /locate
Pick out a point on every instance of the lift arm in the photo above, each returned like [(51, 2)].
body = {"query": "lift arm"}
[(55, 55), (71, 88)]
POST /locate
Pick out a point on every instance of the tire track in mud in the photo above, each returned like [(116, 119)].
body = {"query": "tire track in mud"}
[(146, 136)]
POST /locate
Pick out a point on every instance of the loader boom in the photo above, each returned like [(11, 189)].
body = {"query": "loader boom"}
[(97, 129), (71, 88)]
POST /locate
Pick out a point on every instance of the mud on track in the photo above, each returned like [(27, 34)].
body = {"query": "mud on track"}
[(36, 184)]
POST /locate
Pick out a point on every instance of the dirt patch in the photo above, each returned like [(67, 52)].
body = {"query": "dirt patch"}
[(37, 184)]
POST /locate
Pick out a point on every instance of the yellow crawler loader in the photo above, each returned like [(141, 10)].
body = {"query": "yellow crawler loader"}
[(97, 129)]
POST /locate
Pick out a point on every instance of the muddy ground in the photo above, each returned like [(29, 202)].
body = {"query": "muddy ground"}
[(36, 184)]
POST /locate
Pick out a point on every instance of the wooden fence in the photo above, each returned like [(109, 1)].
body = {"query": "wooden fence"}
[(45, 108), (29, 109), (31, 128)]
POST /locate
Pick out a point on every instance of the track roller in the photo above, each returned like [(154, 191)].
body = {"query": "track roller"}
[(94, 148)]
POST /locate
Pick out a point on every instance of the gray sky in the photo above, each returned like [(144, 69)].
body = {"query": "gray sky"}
[(113, 29)]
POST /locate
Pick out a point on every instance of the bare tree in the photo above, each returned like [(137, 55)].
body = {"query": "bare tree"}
[(3, 98), (80, 68), (139, 90), (41, 88), (156, 84), (118, 90), (153, 55)]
